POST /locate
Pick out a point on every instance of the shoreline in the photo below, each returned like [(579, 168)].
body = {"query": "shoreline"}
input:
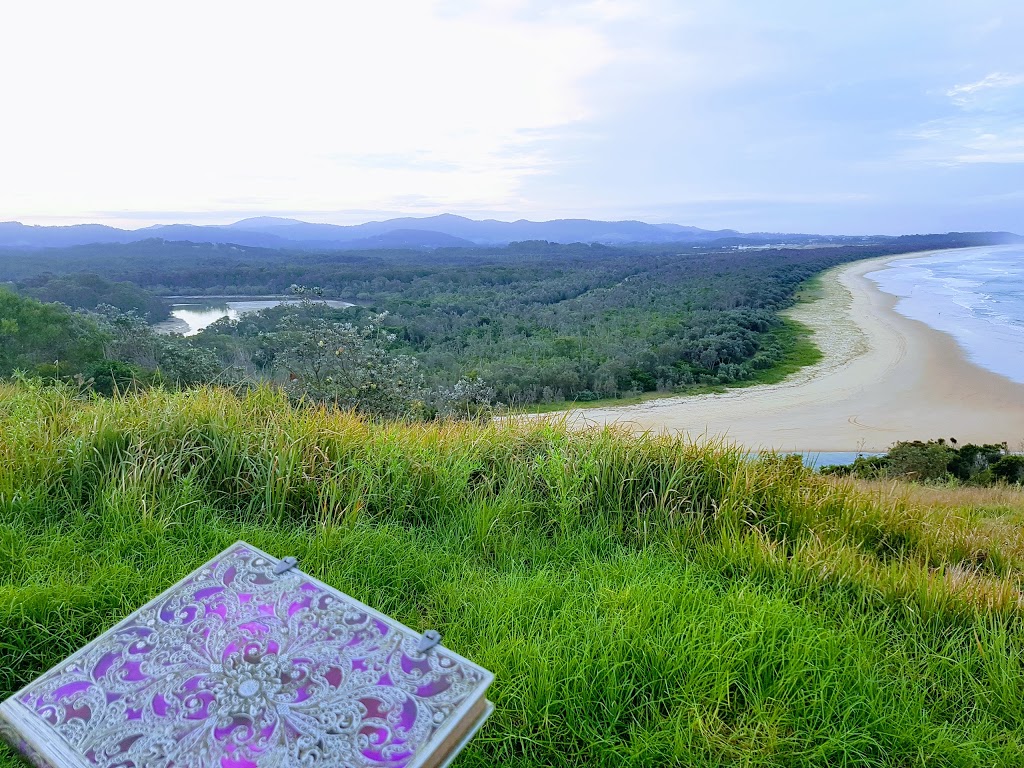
[(883, 378), (175, 324), (171, 325), (204, 299)]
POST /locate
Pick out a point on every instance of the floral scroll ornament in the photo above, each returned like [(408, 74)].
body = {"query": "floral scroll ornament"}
[(240, 668)]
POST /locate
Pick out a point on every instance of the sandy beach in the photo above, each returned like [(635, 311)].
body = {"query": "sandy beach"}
[(883, 378)]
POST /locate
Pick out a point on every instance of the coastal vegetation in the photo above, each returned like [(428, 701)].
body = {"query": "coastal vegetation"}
[(938, 461), (88, 291), (537, 323), (641, 600), (106, 350)]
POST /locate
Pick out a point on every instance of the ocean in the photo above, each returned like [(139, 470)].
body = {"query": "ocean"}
[(975, 295)]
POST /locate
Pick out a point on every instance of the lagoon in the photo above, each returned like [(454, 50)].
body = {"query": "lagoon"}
[(191, 314)]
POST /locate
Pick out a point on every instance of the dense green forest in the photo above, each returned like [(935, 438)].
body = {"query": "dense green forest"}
[(533, 322), (87, 290)]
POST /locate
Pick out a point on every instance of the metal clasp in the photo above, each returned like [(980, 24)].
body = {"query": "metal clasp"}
[(286, 564), (430, 638)]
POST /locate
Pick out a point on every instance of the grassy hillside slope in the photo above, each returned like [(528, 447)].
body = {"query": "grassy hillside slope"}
[(641, 601)]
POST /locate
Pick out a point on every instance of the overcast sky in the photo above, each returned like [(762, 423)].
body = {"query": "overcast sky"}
[(856, 116)]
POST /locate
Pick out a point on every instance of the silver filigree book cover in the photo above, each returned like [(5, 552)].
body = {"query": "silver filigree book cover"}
[(250, 663)]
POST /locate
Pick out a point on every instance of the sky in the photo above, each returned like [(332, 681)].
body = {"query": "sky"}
[(874, 116)]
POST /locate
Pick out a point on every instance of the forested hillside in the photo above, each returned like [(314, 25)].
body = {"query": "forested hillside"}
[(536, 322), (88, 290)]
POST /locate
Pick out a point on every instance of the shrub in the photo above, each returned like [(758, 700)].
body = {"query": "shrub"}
[(110, 377), (469, 399), (352, 367), (1010, 468), (916, 460), (970, 462)]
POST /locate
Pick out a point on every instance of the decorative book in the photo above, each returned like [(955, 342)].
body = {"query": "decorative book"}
[(250, 663)]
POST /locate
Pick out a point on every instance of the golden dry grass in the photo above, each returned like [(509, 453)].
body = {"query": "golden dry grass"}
[(999, 499)]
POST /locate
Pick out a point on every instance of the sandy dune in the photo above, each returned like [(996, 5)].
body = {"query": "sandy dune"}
[(884, 378)]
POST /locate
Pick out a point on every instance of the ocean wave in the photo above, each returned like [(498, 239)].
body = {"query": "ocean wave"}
[(976, 296)]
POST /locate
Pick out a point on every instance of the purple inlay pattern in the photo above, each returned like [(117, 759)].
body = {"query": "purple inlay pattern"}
[(239, 668)]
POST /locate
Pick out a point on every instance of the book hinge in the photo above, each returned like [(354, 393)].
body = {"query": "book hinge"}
[(429, 639), (286, 564)]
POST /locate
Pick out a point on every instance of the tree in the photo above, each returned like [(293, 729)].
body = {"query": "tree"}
[(327, 360), (1010, 468), (916, 460), (45, 338), (970, 462), (85, 290), (470, 398), (171, 358)]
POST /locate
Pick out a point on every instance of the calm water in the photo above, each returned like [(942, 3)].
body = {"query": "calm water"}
[(827, 458), (199, 313), (974, 295)]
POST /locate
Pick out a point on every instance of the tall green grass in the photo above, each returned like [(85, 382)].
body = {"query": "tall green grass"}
[(641, 601)]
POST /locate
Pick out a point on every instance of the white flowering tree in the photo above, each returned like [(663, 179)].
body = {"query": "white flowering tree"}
[(351, 366), (469, 399)]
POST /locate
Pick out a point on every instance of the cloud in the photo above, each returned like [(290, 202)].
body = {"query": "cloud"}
[(983, 92), (340, 111), (966, 141), (201, 105), (987, 126), (1004, 148)]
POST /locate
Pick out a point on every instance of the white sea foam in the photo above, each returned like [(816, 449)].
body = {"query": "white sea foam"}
[(975, 295)]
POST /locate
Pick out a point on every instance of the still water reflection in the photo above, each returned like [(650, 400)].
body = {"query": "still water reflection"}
[(195, 314)]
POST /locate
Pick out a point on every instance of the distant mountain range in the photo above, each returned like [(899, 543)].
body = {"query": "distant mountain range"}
[(443, 231)]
